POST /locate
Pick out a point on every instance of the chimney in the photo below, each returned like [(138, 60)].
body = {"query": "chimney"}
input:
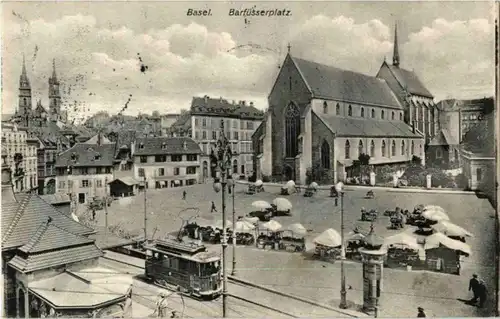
[(251, 104), (206, 99)]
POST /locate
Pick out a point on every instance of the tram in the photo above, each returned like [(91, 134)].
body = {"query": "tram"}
[(188, 266)]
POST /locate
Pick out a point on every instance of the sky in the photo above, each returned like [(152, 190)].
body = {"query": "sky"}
[(100, 47)]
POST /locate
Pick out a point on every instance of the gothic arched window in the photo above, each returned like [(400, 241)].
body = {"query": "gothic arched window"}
[(403, 151), (393, 117), (393, 148), (292, 130), (372, 149), (337, 109), (347, 149), (349, 111), (382, 115), (362, 112), (373, 113), (383, 148), (412, 148), (325, 107), (360, 147), (325, 155)]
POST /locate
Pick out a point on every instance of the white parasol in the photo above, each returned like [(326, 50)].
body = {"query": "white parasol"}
[(403, 239), (218, 224), (435, 215), (297, 229), (449, 229), (243, 227), (251, 220), (259, 183), (437, 239), (282, 204), (203, 222), (261, 204), (272, 225), (314, 185), (355, 236), (434, 207), (290, 184), (329, 238)]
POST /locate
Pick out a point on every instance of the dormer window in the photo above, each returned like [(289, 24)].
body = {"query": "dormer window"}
[(382, 115), (362, 112), (141, 146), (400, 116), (164, 146), (325, 108), (393, 116), (97, 156), (349, 111), (337, 109), (74, 157)]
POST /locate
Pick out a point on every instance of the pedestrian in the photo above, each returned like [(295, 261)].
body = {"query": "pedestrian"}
[(421, 313), (184, 195), (161, 305), (474, 285), (213, 209), (482, 293)]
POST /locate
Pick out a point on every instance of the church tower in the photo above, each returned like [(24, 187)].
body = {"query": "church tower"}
[(395, 54), (24, 106), (54, 93)]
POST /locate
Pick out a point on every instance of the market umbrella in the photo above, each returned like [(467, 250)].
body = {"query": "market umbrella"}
[(282, 204), (314, 185), (290, 184), (297, 229), (329, 238), (243, 227), (261, 204), (259, 183), (355, 236), (434, 207), (203, 222), (437, 239), (272, 225), (403, 239), (435, 215), (448, 228), (251, 220), (218, 224)]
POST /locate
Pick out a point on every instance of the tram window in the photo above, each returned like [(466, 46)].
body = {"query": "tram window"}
[(174, 263), (183, 264)]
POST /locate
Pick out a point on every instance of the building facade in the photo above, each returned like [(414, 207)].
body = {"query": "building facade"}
[(84, 170), (166, 161), (21, 155), (325, 123), (203, 124)]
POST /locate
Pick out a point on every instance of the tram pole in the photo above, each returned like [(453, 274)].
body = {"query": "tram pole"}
[(343, 293), (224, 246), (145, 213), (233, 270)]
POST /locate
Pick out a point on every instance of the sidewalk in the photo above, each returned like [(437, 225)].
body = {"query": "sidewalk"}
[(387, 189)]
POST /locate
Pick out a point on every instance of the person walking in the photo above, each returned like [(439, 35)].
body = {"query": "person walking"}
[(161, 305), (474, 285), (213, 209), (184, 195), (421, 313), (482, 293)]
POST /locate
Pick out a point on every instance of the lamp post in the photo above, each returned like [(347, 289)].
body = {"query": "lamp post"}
[(232, 184), (221, 160), (343, 302), (145, 212)]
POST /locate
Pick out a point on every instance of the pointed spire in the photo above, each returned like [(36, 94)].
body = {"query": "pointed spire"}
[(24, 66), (395, 54), (54, 77)]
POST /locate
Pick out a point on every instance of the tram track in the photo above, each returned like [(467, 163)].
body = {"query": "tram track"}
[(262, 303)]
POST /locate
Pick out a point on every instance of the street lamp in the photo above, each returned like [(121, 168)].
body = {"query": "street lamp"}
[(343, 302), (221, 160), (231, 184)]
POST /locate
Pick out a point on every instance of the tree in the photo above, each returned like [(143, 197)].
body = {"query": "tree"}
[(155, 114)]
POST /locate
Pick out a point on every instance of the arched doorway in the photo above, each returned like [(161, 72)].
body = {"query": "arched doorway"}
[(288, 173), (51, 187), (205, 169)]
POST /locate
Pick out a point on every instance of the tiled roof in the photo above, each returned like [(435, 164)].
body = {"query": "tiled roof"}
[(50, 134), (19, 225), (56, 198), (347, 127), (54, 258), (128, 180), (85, 155), (174, 145), (410, 81), (49, 237), (106, 240), (10, 206), (222, 107), (329, 82)]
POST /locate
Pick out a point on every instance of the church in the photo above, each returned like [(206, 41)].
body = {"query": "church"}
[(324, 117)]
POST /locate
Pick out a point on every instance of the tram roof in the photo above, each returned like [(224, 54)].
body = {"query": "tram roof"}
[(191, 251)]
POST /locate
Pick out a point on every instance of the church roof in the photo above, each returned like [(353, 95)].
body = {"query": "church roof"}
[(329, 82), (21, 218), (409, 80), (443, 138), (358, 127)]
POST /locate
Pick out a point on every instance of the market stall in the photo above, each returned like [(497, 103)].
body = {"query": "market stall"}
[(354, 241), (281, 207), (245, 233), (451, 230), (311, 189), (256, 187), (443, 253), (328, 245), (289, 188), (269, 235), (403, 250), (292, 238)]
